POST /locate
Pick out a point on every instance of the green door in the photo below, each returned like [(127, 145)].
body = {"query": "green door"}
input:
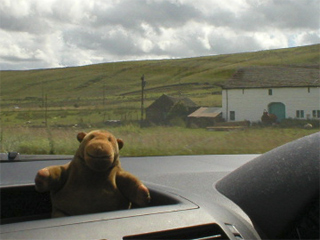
[(279, 109)]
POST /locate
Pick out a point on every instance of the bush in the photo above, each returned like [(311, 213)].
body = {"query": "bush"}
[(34, 147), (292, 123)]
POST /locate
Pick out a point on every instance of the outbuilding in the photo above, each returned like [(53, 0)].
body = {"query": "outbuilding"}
[(166, 107), (205, 117)]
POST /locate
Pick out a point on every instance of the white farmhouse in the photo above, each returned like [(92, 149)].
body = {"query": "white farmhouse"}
[(287, 92)]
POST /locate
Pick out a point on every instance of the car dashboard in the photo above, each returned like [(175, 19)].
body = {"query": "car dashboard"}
[(190, 200), (184, 202)]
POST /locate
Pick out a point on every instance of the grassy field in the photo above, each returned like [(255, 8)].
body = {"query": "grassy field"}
[(95, 93), (153, 140), (42, 110)]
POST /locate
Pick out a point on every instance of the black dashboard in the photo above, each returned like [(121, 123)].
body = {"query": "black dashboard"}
[(269, 196)]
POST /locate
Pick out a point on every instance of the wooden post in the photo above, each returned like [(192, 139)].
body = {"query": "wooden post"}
[(46, 111), (143, 84)]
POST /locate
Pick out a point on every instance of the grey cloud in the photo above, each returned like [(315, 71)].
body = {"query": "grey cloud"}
[(261, 15), (104, 42), (131, 14), (285, 14), (19, 59), (309, 38), (31, 23)]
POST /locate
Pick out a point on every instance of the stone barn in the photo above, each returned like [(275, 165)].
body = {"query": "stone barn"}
[(166, 107)]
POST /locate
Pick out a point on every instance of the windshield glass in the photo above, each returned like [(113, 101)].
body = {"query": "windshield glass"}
[(174, 77)]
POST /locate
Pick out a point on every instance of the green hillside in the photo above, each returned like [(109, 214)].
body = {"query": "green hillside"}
[(113, 89)]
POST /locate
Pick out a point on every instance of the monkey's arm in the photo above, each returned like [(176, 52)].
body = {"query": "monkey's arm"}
[(132, 188), (51, 178)]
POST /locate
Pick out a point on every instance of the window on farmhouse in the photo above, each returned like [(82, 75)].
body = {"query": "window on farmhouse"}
[(232, 115), (300, 114), (316, 113), (270, 92)]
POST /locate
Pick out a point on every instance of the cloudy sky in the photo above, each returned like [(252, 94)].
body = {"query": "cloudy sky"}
[(60, 33)]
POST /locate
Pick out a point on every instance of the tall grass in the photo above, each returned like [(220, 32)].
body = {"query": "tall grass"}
[(153, 140), (39, 140)]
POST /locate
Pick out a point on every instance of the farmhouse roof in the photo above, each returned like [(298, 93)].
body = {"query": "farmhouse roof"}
[(209, 112), (267, 77)]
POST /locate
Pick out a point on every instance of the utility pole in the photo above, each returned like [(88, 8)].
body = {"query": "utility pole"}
[(143, 84)]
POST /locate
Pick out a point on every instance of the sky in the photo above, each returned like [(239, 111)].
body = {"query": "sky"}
[(38, 34)]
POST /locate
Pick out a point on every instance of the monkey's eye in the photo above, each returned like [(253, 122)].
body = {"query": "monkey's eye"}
[(109, 139)]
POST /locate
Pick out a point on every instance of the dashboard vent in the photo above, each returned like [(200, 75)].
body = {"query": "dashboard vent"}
[(202, 232), (234, 231)]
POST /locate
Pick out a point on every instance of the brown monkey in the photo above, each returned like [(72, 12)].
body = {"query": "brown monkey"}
[(93, 181)]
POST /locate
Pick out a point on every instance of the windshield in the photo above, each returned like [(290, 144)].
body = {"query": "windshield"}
[(174, 77)]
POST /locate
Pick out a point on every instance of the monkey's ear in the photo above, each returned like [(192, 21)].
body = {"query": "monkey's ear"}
[(120, 143), (81, 136)]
